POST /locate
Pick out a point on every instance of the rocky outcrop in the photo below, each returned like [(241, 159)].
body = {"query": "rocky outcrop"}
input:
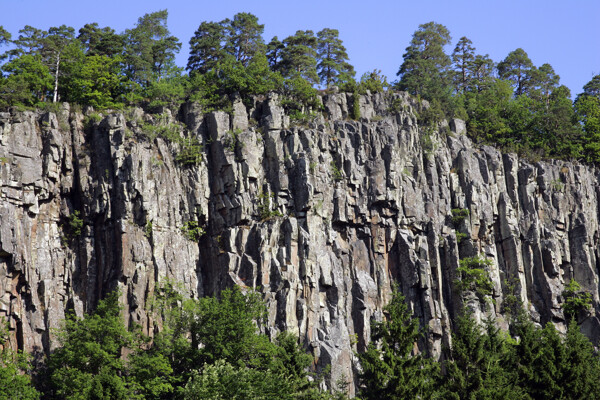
[(323, 219)]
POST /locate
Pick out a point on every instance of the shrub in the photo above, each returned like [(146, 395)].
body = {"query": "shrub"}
[(575, 299), (459, 215), (192, 231), (472, 276)]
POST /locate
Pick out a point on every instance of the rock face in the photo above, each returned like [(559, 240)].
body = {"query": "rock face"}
[(323, 219)]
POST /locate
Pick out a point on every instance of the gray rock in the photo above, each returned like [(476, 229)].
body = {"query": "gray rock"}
[(321, 219)]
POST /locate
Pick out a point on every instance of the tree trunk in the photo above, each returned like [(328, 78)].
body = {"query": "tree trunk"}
[(55, 96)]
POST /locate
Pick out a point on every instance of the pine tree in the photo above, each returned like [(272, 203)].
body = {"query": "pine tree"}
[(389, 369), (517, 68), (244, 37), (150, 48), (332, 58), (424, 71), (298, 57)]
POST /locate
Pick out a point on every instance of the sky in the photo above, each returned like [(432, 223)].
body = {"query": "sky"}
[(565, 34)]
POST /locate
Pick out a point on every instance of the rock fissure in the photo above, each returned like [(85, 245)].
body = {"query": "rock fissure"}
[(321, 219)]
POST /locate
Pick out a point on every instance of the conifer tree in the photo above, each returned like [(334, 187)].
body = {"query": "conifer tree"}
[(463, 58), (424, 71), (517, 68), (298, 57), (332, 58), (389, 369)]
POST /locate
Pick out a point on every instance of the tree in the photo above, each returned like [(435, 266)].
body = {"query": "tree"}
[(206, 47), (463, 58), (517, 68), (54, 45), (332, 58), (98, 83), (373, 81), (30, 41), (389, 370), (587, 108), (481, 70), (274, 50), (5, 37), (472, 275), (477, 363), (101, 41), (15, 383), (424, 70), (150, 49), (592, 88), (581, 369), (28, 81), (244, 37), (88, 365), (298, 57), (575, 300), (545, 80)]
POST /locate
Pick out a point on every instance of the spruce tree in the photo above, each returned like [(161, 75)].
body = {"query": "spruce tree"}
[(389, 369)]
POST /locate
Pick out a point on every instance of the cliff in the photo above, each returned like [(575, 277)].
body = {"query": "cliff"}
[(321, 216)]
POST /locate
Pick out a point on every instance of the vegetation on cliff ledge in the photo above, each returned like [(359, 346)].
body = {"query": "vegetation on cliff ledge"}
[(511, 103)]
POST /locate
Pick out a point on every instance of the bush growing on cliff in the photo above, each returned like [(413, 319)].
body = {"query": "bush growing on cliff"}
[(473, 276), (575, 300)]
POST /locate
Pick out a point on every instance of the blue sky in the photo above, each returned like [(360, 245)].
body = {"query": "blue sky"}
[(564, 33)]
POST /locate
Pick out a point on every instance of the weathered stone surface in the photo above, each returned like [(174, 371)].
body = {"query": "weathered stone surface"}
[(321, 219)]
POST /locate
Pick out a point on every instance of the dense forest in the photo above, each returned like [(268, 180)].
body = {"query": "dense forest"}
[(511, 103), (218, 348)]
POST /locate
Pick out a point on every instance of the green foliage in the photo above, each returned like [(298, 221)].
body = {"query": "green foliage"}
[(298, 118), (332, 65), (232, 139), (148, 229), (472, 275), (266, 201), (150, 49), (98, 82), (298, 57), (88, 364), (299, 95), (28, 82), (461, 236), (587, 107), (14, 381), (478, 363), (192, 230), (374, 82), (424, 71), (336, 171), (389, 370), (459, 215), (575, 300), (75, 224), (91, 119), (517, 68), (222, 380), (190, 150)]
